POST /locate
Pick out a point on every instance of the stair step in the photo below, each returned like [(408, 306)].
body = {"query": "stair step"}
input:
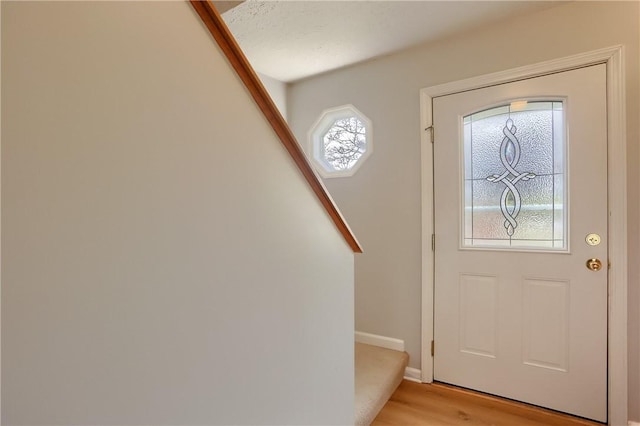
[(379, 371)]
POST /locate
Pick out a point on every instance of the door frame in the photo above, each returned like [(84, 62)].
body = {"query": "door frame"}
[(617, 204)]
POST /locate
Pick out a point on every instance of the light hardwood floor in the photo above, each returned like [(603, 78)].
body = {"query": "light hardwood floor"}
[(441, 405)]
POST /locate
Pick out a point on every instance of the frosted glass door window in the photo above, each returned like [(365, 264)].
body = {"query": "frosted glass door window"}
[(514, 181)]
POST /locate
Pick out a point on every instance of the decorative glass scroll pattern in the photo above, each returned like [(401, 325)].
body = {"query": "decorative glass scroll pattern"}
[(510, 200), (514, 177)]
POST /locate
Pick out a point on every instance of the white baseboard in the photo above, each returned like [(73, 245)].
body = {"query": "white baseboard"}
[(632, 423), (382, 341), (413, 375)]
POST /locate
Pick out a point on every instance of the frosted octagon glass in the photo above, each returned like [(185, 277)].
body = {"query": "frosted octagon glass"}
[(514, 193), (340, 141)]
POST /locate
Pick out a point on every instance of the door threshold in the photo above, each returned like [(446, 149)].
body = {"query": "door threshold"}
[(506, 402)]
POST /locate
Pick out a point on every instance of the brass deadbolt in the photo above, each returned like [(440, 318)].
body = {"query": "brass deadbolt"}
[(593, 239)]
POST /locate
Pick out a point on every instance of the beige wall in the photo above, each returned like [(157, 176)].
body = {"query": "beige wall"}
[(163, 260), (278, 92), (382, 201)]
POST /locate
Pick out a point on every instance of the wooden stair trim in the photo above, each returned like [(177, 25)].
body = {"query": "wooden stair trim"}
[(227, 43)]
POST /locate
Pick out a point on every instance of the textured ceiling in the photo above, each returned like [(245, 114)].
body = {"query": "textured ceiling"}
[(291, 40)]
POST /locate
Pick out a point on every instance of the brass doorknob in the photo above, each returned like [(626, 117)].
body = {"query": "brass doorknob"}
[(594, 264)]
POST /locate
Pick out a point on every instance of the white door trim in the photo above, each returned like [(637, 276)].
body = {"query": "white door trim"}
[(617, 186)]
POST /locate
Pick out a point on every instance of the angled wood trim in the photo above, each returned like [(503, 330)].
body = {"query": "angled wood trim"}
[(227, 43)]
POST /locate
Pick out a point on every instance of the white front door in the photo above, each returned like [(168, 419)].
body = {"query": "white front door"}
[(520, 190)]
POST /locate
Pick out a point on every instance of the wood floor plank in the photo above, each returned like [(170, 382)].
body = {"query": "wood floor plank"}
[(442, 405)]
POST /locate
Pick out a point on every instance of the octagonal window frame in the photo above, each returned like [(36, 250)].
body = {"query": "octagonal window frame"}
[(320, 128)]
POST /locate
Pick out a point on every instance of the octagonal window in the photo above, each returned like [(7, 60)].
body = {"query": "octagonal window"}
[(340, 141)]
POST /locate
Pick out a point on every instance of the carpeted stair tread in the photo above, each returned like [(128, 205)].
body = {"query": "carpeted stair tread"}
[(379, 371)]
